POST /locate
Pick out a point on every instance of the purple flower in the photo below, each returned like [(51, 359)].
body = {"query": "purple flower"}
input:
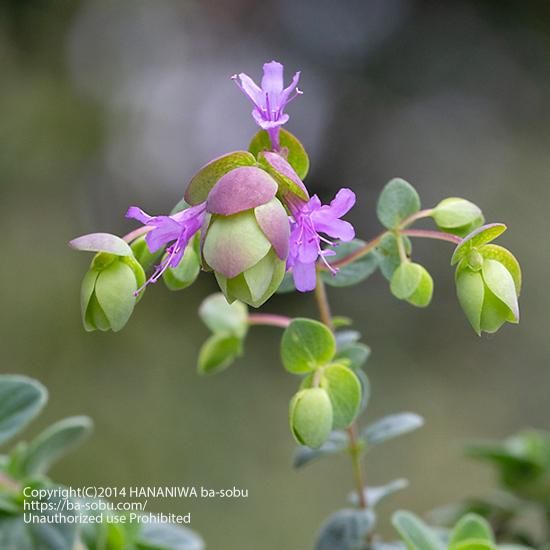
[(307, 221), (271, 99), (177, 229)]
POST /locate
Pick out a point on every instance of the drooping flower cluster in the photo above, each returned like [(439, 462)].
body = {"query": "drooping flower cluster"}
[(247, 217), (248, 236)]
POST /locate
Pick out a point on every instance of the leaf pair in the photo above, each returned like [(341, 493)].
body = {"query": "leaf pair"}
[(229, 325)]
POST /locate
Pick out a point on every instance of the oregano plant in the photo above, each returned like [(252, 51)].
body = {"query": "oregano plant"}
[(249, 218)]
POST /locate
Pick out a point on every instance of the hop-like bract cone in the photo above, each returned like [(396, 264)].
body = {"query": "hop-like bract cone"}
[(487, 291), (108, 290), (245, 238)]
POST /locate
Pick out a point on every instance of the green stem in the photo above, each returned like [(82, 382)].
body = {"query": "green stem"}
[(269, 319), (401, 247), (322, 303), (355, 450), (354, 445)]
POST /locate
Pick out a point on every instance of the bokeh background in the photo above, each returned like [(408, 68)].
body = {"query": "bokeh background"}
[(107, 104)]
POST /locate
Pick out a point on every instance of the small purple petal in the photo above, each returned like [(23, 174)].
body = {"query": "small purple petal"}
[(286, 96), (338, 229), (252, 90), (273, 221), (272, 81), (166, 230), (342, 203), (269, 124), (138, 214), (304, 276), (241, 189)]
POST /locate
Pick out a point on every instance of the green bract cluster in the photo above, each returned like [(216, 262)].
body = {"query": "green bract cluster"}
[(24, 469), (108, 289), (488, 280), (330, 394)]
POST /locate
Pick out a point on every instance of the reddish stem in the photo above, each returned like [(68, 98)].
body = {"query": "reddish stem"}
[(136, 233), (269, 319), (430, 234)]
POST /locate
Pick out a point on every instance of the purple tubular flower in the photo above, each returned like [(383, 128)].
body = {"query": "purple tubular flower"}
[(308, 220), (177, 229), (270, 99)]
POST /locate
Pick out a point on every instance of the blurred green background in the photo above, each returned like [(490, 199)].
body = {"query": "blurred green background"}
[(107, 104)]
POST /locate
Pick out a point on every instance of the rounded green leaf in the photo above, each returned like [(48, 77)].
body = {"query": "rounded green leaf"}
[(413, 283), (398, 201), (346, 529), (454, 213), (470, 290), (471, 526), (306, 345), (54, 442), (416, 535), (310, 415), (222, 317), (422, 296), (21, 399), (218, 352), (205, 179), (479, 237), (501, 283), (291, 147), (344, 389), (114, 289), (355, 272)]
